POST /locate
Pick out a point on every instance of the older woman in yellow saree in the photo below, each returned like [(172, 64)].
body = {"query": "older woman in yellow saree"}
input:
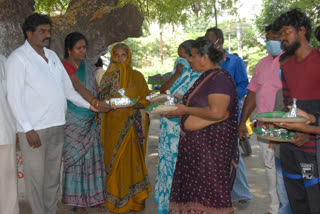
[(122, 135)]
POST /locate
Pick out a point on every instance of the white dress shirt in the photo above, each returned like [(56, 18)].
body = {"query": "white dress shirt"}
[(7, 127), (37, 90)]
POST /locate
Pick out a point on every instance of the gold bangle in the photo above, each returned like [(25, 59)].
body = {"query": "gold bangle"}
[(97, 104), (92, 98), (94, 102)]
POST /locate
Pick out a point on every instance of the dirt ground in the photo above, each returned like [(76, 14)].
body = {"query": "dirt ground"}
[(255, 173)]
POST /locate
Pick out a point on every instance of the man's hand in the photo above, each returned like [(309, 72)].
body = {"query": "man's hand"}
[(299, 139), (33, 139), (242, 130), (311, 117), (292, 126)]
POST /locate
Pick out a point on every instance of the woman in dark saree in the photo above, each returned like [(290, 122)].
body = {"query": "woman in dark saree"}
[(208, 154)]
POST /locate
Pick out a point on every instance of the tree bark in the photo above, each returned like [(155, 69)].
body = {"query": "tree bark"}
[(99, 20)]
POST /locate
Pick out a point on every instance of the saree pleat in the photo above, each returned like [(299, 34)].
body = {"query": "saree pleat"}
[(124, 140)]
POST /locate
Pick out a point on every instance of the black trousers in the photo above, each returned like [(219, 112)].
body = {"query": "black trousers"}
[(300, 173)]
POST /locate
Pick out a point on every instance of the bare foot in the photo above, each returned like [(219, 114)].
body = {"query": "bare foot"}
[(101, 208), (81, 210)]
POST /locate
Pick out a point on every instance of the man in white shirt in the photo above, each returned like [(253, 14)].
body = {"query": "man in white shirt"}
[(38, 87), (8, 166)]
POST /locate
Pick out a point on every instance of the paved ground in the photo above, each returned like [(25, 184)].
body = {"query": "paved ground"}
[(255, 173)]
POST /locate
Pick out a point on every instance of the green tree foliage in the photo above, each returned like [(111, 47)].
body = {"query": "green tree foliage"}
[(146, 49), (178, 11), (271, 9), (51, 6)]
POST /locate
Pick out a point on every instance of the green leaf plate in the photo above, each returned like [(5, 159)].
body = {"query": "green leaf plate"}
[(277, 116), (258, 132)]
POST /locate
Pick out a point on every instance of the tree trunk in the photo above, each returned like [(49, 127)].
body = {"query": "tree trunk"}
[(99, 20)]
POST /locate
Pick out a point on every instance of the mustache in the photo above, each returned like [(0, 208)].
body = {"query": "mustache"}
[(48, 39)]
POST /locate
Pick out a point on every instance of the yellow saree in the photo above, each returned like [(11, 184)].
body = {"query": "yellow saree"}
[(123, 139)]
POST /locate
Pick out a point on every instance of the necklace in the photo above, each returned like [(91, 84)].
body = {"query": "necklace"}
[(71, 60)]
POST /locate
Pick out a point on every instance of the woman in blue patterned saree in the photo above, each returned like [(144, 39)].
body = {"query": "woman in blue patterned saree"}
[(83, 175), (182, 78)]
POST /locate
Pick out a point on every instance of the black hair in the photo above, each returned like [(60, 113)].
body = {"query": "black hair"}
[(317, 33), (218, 32), (33, 21), (207, 47), (121, 46), (99, 63), (71, 40), (199, 38), (296, 19), (268, 28), (187, 46)]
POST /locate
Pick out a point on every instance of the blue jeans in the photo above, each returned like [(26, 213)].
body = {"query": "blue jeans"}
[(285, 207), (240, 190)]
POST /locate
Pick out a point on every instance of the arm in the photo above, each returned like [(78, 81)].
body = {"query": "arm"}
[(16, 73), (71, 93), (102, 106), (302, 127), (167, 85), (216, 111), (285, 91), (241, 79), (248, 106)]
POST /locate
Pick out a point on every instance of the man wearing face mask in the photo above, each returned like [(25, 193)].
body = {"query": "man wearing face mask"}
[(263, 88), (237, 69), (300, 159)]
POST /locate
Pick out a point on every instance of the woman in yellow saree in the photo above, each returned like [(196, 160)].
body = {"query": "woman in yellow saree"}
[(122, 135)]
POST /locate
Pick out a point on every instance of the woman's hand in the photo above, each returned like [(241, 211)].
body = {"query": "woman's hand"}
[(92, 108), (103, 107), (181, 110)]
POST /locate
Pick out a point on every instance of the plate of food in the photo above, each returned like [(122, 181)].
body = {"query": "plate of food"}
[(159, 108), (123, 102), (159, 98), (278, 116), (273, 134)]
